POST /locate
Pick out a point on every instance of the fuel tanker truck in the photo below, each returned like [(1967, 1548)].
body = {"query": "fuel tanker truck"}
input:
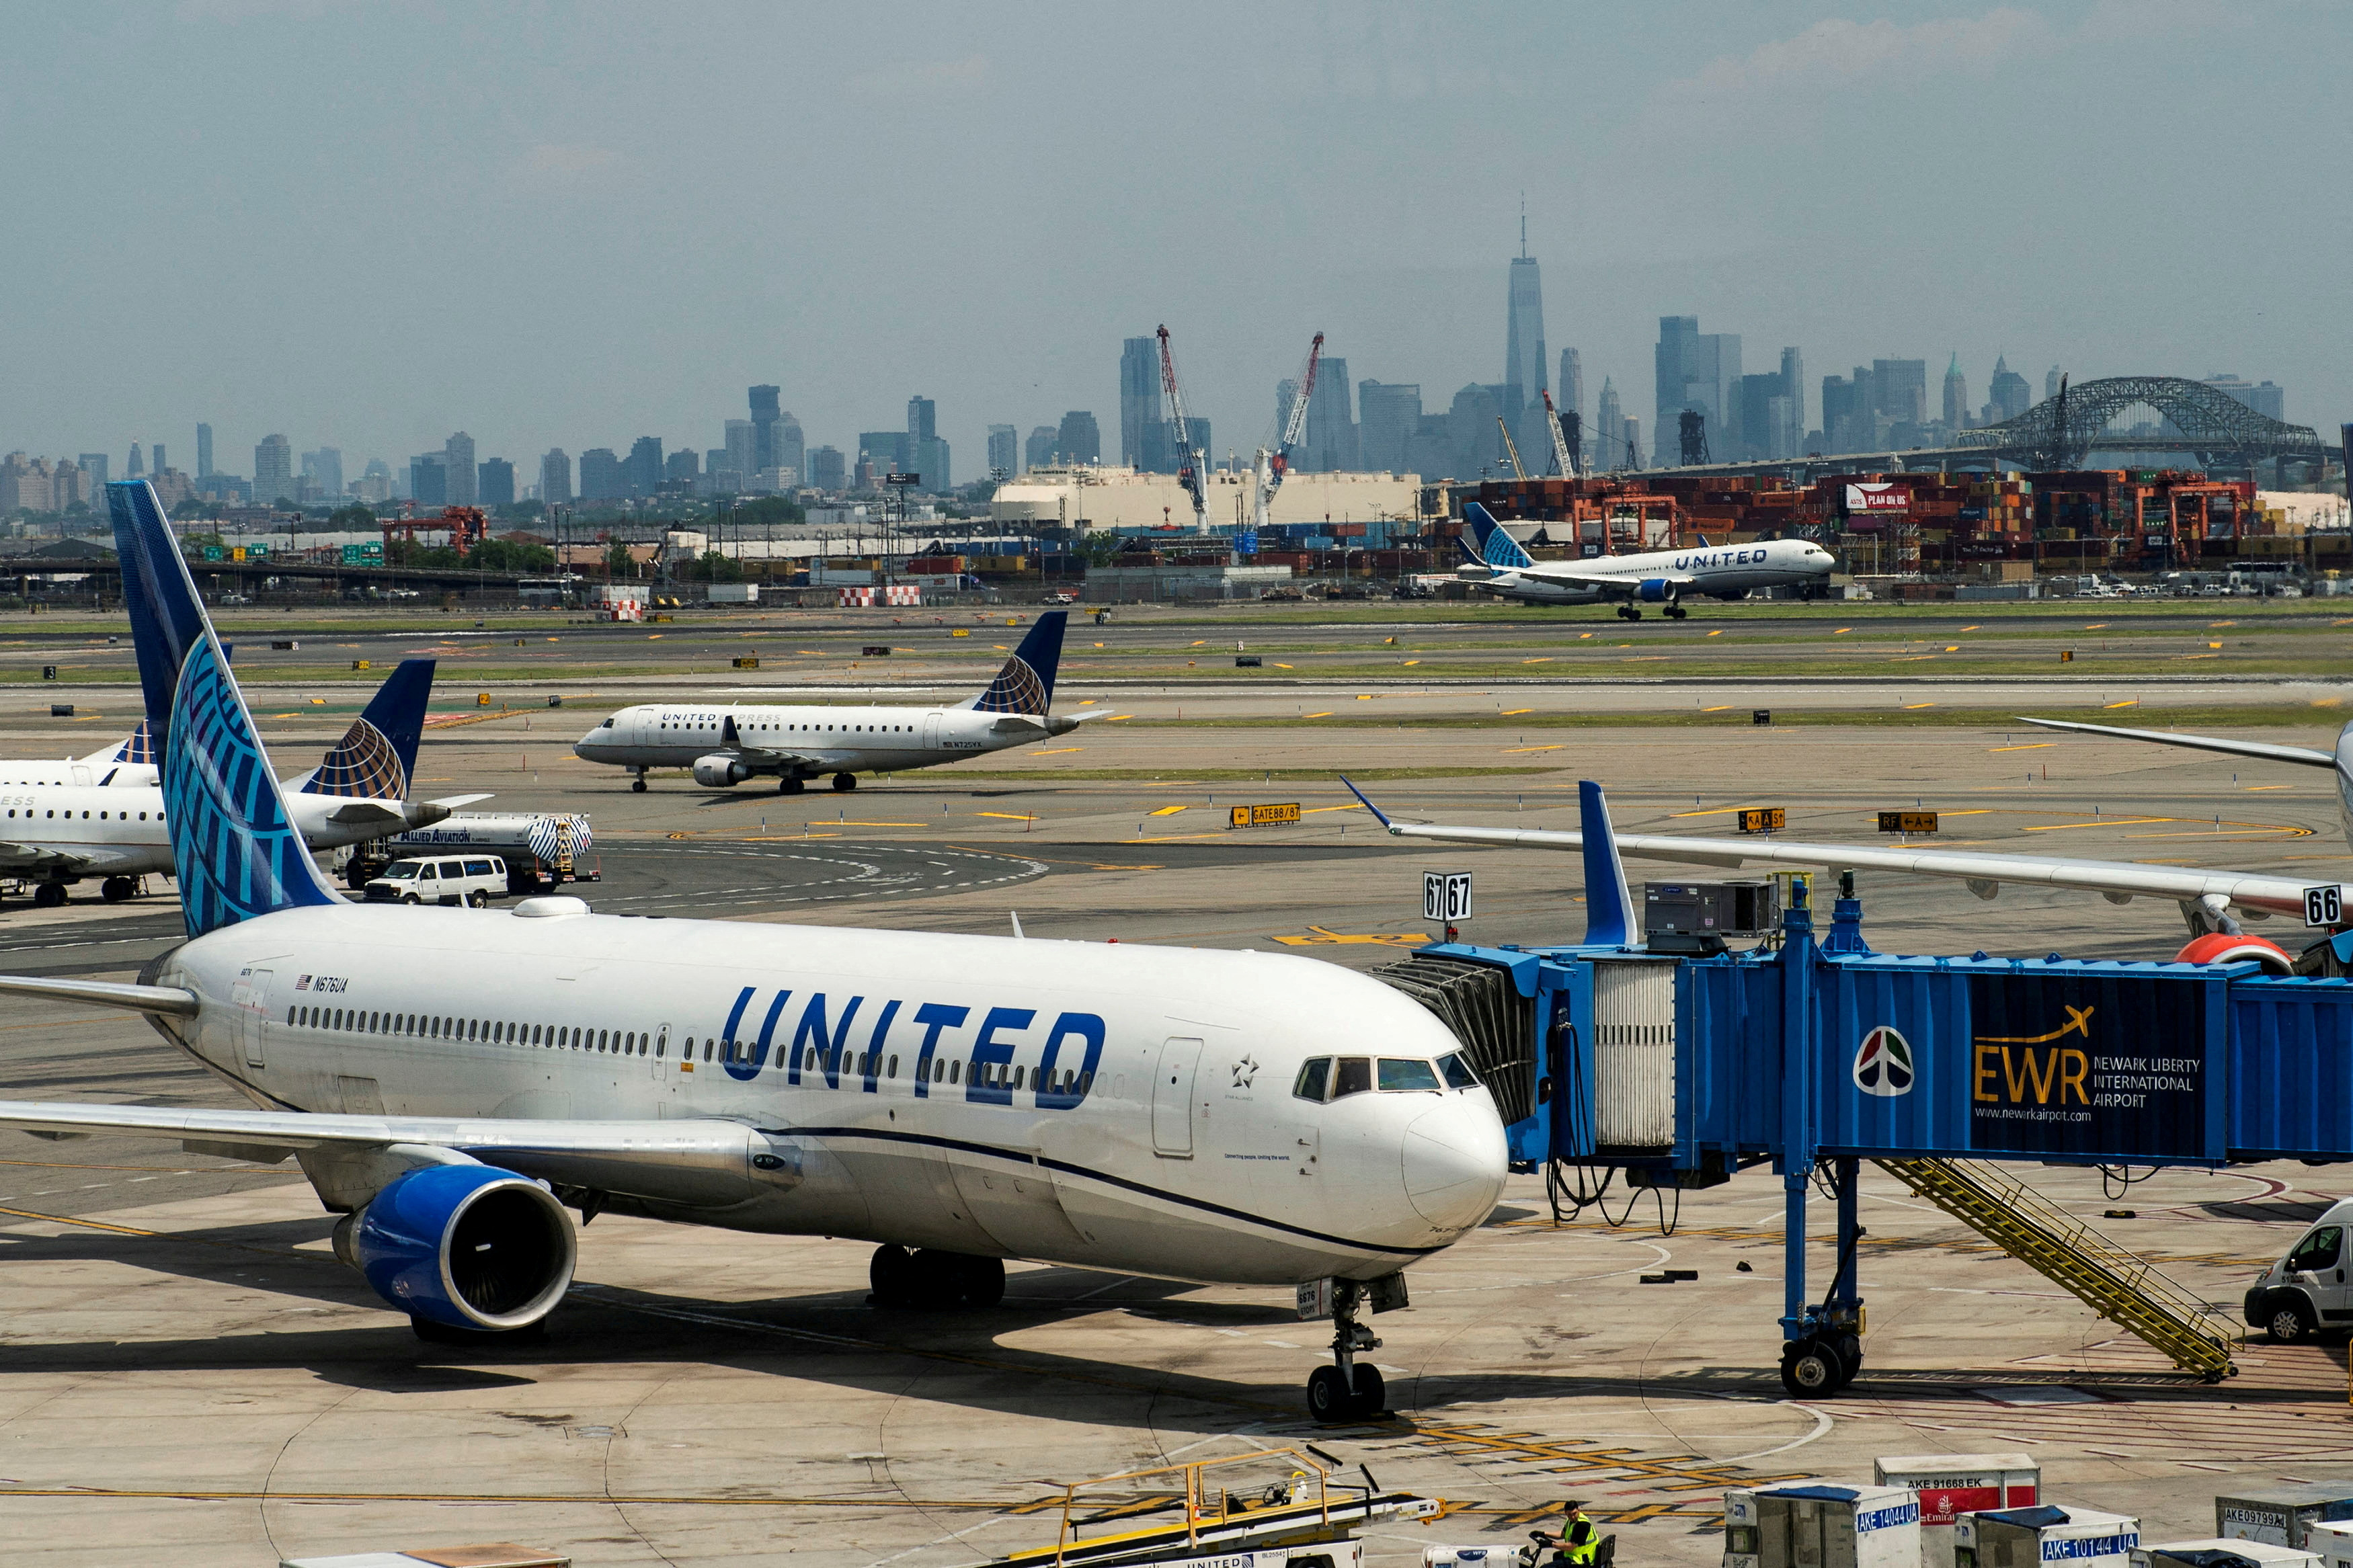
[(541, 849)]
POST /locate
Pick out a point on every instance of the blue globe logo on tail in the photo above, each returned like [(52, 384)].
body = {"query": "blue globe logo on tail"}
[(1024, 684), (363, 764), (1883, 1064)]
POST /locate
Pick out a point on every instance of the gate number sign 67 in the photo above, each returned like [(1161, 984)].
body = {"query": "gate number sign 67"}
[(2325, 905), (1445, 896)]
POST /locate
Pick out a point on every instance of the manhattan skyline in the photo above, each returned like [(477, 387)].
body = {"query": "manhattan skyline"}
[(438, 220)]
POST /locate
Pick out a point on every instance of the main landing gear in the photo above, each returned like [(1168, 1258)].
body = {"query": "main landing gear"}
[(50, 895), (790, 784), (1676, 611), (114, 890), (929, 1277), (1347, 1391), (844, 783), (1629, 613)]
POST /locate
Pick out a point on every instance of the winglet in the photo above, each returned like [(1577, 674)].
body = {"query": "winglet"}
[(1609, 906), (1025, 684), (1378, 815)]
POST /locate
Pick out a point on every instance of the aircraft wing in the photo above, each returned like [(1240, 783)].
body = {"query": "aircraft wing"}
[(1606, 585), (2301, 755), (94, 860), (2117, 880)]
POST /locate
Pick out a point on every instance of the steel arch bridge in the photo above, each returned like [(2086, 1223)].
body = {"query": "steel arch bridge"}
[(2060, 433)]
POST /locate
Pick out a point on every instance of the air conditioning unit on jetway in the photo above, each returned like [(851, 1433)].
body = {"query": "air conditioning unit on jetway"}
[(1698, 917)]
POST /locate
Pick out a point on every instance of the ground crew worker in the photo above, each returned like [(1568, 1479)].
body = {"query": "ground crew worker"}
[(1577, 1539)]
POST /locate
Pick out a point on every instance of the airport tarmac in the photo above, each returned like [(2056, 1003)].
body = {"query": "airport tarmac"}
[(184, 1370)]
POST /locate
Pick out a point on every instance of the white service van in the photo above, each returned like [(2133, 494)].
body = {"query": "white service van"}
[(472, 880), (2306, 1291)]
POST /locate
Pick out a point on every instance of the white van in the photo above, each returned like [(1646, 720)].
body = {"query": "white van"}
[(474, 879), (2306, 1291)]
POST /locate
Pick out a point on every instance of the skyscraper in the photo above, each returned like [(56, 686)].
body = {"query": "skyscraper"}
[(827, 469), (1698, 371), (680, 468), (324, 469), (1957, 394), (1038, 451), (556, 478), (642, 470), (1331, 439), (764, 427), (273, 470), (1568, 393), (429, 480), (1793, 384), (1079, 439), (494, 482), (791, 453), (93, 469), (927, 454), (600, 475), (457, 455), (1004, 451), (1524, 340), (740, 458), (1608, 428), (1139, 396), (137, 467), (1388, 413), (2050, 382), (2008, 393), (203, 452), (1899, 390)]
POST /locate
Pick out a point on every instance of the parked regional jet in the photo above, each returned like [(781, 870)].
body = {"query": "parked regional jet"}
[(1664, 577), (2213, 903), (128, 764), (725, 746), (1245, 1117)]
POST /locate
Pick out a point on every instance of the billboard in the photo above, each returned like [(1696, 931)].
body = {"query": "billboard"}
[(2086, 1064), (1878, 500)]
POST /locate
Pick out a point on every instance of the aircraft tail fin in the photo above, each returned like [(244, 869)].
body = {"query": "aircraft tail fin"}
[(1496, 548), (1609, 905), (376, 758), (137, 748), (1025, 683), (236, 853)]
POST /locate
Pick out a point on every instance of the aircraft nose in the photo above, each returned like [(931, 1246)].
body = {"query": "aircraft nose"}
[(1454, 1161)]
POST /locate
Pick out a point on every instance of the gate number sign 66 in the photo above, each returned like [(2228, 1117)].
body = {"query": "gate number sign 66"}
[(2325, 905)]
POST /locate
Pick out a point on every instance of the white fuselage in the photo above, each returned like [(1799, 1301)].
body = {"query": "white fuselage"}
[(1729, 570), (821, 739), (1122, 1107), (119, 830)]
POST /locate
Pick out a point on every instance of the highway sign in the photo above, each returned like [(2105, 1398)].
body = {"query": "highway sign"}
[(1445, 897), (1907, 821), (1764, 819), (2325, 906), (1262, 816)]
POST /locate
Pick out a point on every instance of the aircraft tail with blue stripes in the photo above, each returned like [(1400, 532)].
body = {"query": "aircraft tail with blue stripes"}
[(1025, 683), (234, 848), (1496, 548)]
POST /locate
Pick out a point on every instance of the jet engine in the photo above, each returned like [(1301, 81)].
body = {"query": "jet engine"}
[(719, 771), (2226, 947), (464, 1246), (1655, 591)]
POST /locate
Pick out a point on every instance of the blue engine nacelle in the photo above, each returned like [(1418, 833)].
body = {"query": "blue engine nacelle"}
[(719, 770), (1655, 591), (466, 1247)]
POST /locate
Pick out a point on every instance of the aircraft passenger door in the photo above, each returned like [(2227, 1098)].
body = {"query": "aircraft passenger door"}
[(931, 732), (659, 1061), (252, 998), (1172, 1097)]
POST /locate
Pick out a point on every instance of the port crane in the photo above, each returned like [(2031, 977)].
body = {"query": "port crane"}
[(1267, 478), (1562, 455), (1511, 448), (1190, 462)]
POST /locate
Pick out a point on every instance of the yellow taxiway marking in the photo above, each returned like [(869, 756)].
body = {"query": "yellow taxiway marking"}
[(1119, 718), (853, 822), (1057, 750), (1952, 648), (1547, 659), (2104, 822), (2097, 626), (2210, 626), (1722, 708), (1916, 707), (1715, 811), (2252, 788), (1167, 811), (1323, 938), (2025, 746), (1509, 749), (1515, 712), (1412, 661), (1197, 645), (1325, 714), (1279, 665), (1841, 631), (2128, 702), (1006, 815), (1582, 636), (1717, 633)]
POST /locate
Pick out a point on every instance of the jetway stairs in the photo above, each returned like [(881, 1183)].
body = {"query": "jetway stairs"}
[(2123, 1289)]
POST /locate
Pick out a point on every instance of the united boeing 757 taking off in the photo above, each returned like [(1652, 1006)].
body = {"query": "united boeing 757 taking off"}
[(455, 1081), (1663, 577), (725, 746)]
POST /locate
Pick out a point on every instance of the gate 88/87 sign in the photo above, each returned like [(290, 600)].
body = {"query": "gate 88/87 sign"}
[(1445, 897)]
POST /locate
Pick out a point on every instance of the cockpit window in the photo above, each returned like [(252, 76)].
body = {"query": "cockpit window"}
[(1457, 1072), (400, 870), (1356, 1076), (607, 724), (1314, 1078), (1402, 1075)]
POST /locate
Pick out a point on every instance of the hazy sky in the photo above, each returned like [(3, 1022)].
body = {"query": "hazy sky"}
[(368, 225)]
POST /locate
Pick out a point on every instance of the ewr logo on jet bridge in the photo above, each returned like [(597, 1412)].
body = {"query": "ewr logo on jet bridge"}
[(1883, 1063)]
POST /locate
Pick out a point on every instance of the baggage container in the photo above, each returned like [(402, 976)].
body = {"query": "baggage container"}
[(2281, 1515), (1950, 1485), (1814, 1526), (2332, 1544), (2222, 1551), (2030, 1537)]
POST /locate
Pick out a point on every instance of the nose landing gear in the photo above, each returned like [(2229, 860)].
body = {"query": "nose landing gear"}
[(639, 787), (1347, 1391)]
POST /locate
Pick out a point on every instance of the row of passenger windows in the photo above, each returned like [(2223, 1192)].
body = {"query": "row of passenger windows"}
[(627, 1042), (858, 729), (119, 816), (1335, 1078)]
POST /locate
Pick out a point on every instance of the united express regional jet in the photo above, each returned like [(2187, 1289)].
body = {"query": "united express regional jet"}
[(454, 1082)]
